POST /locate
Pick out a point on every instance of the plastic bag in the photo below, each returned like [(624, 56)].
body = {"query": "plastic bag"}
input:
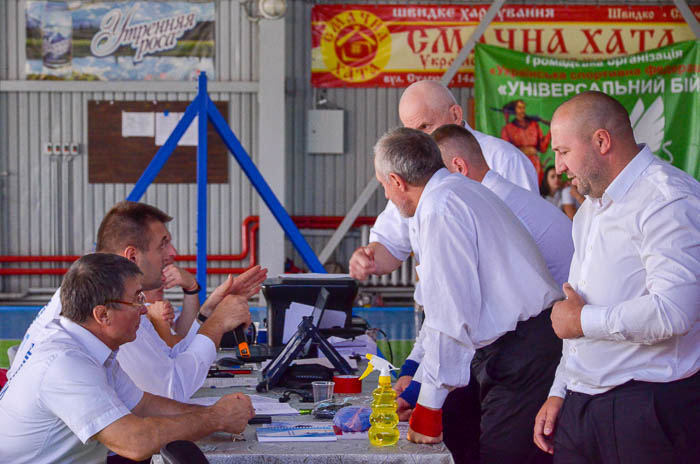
[(352, 418)]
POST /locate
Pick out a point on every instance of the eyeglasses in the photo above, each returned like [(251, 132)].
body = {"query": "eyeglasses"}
[(139, 303)]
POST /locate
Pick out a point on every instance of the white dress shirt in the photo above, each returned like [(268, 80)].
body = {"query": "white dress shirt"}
[(547, 224), (636, 265), (46, 315), (68, 388), (480, 273), (175, 372)]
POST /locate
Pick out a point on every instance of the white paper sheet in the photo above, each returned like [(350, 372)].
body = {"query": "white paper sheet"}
[(262, 404), (293, 315), (165, 123), (137, 124)]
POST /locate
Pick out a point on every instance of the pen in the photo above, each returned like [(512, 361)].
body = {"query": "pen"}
[(305, 411)]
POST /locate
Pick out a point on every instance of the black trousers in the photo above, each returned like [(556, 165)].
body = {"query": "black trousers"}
[(461, 417), (636, 423), (514, 375)]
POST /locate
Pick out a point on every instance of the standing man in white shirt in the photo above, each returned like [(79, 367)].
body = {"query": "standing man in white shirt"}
[(627, 389), (425, 106), (71, 402), (547, 224), (138, 232), (486, 301)]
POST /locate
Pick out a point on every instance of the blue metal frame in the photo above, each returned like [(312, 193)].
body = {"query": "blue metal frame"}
[(206, 111)]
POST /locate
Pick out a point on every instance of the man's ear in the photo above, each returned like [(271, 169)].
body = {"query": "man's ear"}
[(602, 141), (398, 181), (130, 253), (101, 315), (456, 114), (460, 166)]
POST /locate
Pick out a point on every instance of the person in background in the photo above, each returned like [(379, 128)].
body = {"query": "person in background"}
[(571, 200), (563, 196), (550, 187), (525, 133), (627, 389), (479, 312), (70, 401)]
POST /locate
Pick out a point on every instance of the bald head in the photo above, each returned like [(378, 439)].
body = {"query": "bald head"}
[(592, 111), (427, 105), (460, 151)]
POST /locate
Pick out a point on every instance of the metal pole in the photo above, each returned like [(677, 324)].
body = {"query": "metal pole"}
[(348, 220), (264, 190), (202, 107), (688, 16), (162, 155), (469, 45)]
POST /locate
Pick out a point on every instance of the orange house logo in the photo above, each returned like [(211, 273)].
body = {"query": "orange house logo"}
[(356, 46)]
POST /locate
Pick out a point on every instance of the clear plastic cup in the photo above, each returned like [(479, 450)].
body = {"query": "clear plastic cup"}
[(323, 390)]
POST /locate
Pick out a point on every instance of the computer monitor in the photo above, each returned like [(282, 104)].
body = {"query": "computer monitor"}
[(281, 291)]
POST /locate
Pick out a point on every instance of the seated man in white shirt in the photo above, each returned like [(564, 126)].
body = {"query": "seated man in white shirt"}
[(486, 301), (627, 389), (70, 401), (138, 232)]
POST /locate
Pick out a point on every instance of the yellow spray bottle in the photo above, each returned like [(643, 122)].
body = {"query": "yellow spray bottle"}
[(384, 430)]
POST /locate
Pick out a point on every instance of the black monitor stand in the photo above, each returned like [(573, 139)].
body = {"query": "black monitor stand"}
[(306, 331)]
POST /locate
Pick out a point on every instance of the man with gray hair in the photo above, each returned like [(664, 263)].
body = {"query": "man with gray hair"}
[(480, 312), (70, 401)]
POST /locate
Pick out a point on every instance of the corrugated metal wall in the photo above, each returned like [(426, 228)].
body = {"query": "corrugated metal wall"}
[(47, 206), (330, 184)]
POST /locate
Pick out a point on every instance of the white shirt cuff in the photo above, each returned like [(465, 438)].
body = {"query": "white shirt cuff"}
[(558, 389), (593, 321), (431, 396)]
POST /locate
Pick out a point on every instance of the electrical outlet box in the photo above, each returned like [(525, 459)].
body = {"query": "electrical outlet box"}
[(324, 131)]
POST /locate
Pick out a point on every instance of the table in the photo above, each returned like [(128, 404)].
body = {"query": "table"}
[(219, 448)]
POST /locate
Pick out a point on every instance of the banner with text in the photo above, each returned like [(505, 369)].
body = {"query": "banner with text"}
[(110, 40), (659, 88), (395, 45)]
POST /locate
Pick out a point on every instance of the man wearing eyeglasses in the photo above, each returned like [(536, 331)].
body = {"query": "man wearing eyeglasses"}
[(138, 232), (70, 401)]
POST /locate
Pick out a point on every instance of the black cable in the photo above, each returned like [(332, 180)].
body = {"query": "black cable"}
[(388, 343)]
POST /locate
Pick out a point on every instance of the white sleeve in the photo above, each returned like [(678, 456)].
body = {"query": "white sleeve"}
[(452, 305), (176, 376), (670, 253), (391, 230), (83, 399)]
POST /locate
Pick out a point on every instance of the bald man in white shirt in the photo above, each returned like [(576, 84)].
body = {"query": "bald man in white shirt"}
[(627, 389), (486, 301)]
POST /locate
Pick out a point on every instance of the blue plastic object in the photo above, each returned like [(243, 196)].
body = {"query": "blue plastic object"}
[(352, 419)]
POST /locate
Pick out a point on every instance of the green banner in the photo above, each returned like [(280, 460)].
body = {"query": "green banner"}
[(660, 89)]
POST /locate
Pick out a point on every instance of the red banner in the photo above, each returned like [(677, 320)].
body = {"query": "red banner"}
[(395, 45)]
